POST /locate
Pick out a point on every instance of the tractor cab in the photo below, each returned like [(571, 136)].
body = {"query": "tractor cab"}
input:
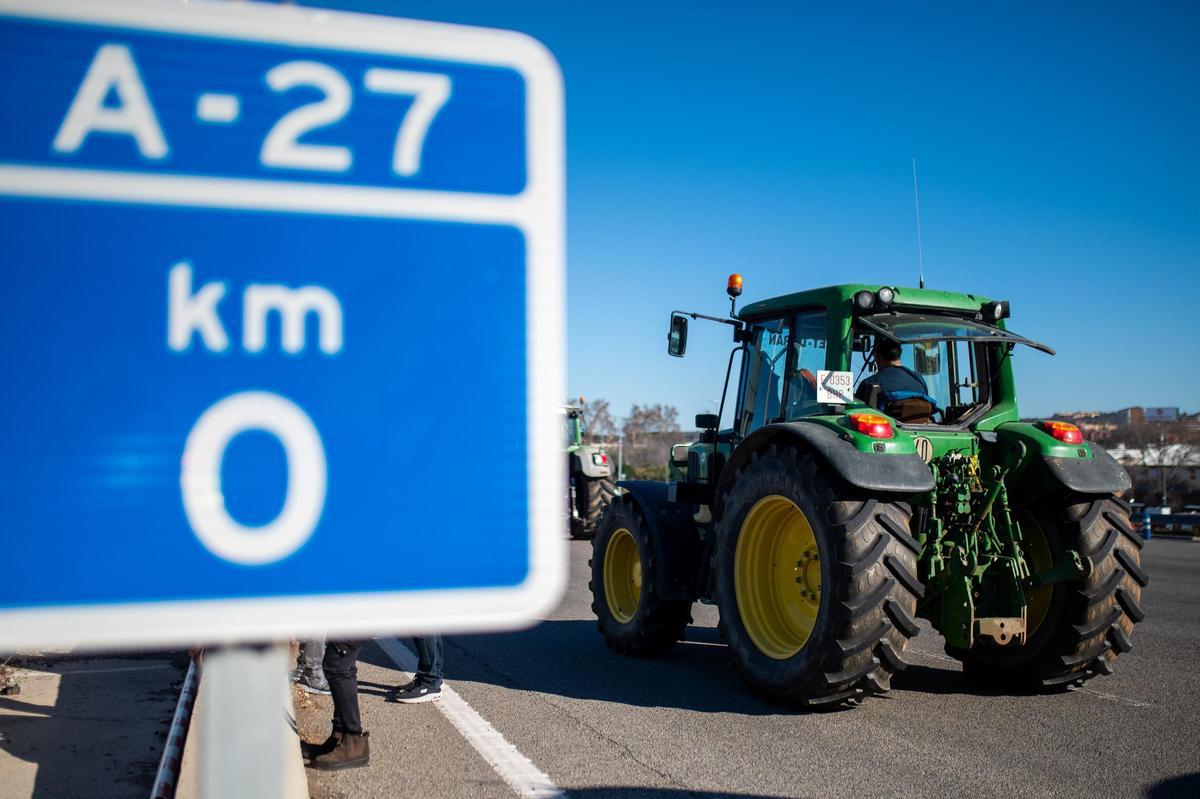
[(920, 357), (573, 427)]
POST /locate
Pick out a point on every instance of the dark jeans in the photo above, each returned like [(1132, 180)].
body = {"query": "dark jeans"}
[(429, 660), (341, 670)]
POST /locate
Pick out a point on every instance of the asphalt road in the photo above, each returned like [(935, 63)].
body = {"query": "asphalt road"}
[(86, 725), (600, 725)]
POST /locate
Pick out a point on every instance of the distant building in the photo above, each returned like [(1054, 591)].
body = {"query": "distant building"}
[(1106, 426), (1182, 464)]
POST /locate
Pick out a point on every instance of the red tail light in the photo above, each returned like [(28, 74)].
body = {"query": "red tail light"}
[(1064, 432), (872, 424)]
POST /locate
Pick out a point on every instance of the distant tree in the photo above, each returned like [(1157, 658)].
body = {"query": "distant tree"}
[(656, 471), (650, 419), (1164, 449), (597, 419)]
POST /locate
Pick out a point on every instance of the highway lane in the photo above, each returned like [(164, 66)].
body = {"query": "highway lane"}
[(601, 725)]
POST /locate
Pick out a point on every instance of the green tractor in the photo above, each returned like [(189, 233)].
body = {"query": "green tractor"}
[(589, 477), (828, 519)]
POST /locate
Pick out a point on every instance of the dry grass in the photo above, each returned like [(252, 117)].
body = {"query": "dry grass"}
[(8, 680)]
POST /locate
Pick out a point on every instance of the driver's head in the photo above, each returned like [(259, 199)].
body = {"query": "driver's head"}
[(886, 351)]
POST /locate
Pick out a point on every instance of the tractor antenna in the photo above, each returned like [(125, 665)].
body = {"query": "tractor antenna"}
[(920, 253)]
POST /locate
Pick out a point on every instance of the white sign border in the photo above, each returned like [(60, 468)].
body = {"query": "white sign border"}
[(538, 211)]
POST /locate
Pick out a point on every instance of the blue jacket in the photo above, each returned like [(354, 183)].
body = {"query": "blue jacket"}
[(891, 379)]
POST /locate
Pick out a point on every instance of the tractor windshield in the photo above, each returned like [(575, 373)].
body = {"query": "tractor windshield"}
[(907, 328), (926, 368), (572, 428), (779, 370), (932, 382)]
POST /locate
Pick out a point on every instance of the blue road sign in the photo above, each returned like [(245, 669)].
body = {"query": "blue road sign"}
[(282, 324)]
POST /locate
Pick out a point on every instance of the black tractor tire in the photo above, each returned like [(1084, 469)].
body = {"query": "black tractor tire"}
[(1087, 623), (866, 610), (657, 623), (592, 496)]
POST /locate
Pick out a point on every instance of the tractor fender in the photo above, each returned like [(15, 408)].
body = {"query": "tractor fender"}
[(894, 474), (582, 463), (1099, 474), (678, 549), (1085, 469)]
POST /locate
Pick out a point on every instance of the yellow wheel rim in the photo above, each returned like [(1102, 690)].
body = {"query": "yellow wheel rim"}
[(1037, 554), (777, 577), (622, 576)]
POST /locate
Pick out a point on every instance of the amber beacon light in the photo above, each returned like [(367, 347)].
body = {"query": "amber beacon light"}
[(734, 286)]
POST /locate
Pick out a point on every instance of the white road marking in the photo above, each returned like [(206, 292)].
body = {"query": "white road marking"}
[(1114, 698), (514, 768), (933, 656)]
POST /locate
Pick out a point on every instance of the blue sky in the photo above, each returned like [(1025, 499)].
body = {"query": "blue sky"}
[(1059, 158)]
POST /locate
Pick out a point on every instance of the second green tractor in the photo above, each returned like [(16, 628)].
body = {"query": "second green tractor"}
[(825, 521), (589, 476)]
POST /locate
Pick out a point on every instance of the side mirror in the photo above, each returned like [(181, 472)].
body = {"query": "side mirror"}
[(927, 358), (677, 338), (707, 421)]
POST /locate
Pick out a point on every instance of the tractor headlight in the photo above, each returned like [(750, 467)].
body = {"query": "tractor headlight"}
[(864, 300), (994, 311), (885, 295)]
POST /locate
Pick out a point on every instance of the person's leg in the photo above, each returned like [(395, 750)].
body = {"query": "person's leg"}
[(350, 746), (429, 660), (312, 675), (312, 652), (341, 670), (427, 683)]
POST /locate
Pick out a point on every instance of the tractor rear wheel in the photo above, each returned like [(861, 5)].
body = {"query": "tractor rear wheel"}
[(591, 498), (630, 615), (816, 581), (1075, 629)]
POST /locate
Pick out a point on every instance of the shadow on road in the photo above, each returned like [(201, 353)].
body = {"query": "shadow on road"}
[(947, 682), (615, 792), (88, 733), (1185, 785), (569, 658)]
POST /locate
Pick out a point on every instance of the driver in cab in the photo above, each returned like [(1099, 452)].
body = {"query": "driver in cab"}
[(892, 377)]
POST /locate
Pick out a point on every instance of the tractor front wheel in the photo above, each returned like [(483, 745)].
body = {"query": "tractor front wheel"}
[(1075, 630), (630, 615), (816, 582)]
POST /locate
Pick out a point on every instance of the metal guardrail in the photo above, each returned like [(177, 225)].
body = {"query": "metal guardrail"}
[(168, 765)]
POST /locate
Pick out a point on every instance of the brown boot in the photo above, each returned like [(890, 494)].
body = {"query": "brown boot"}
[(310, 751), (351, 751)]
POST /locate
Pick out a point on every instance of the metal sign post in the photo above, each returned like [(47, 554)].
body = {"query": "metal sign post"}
[(243, 748), (271, 276)]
